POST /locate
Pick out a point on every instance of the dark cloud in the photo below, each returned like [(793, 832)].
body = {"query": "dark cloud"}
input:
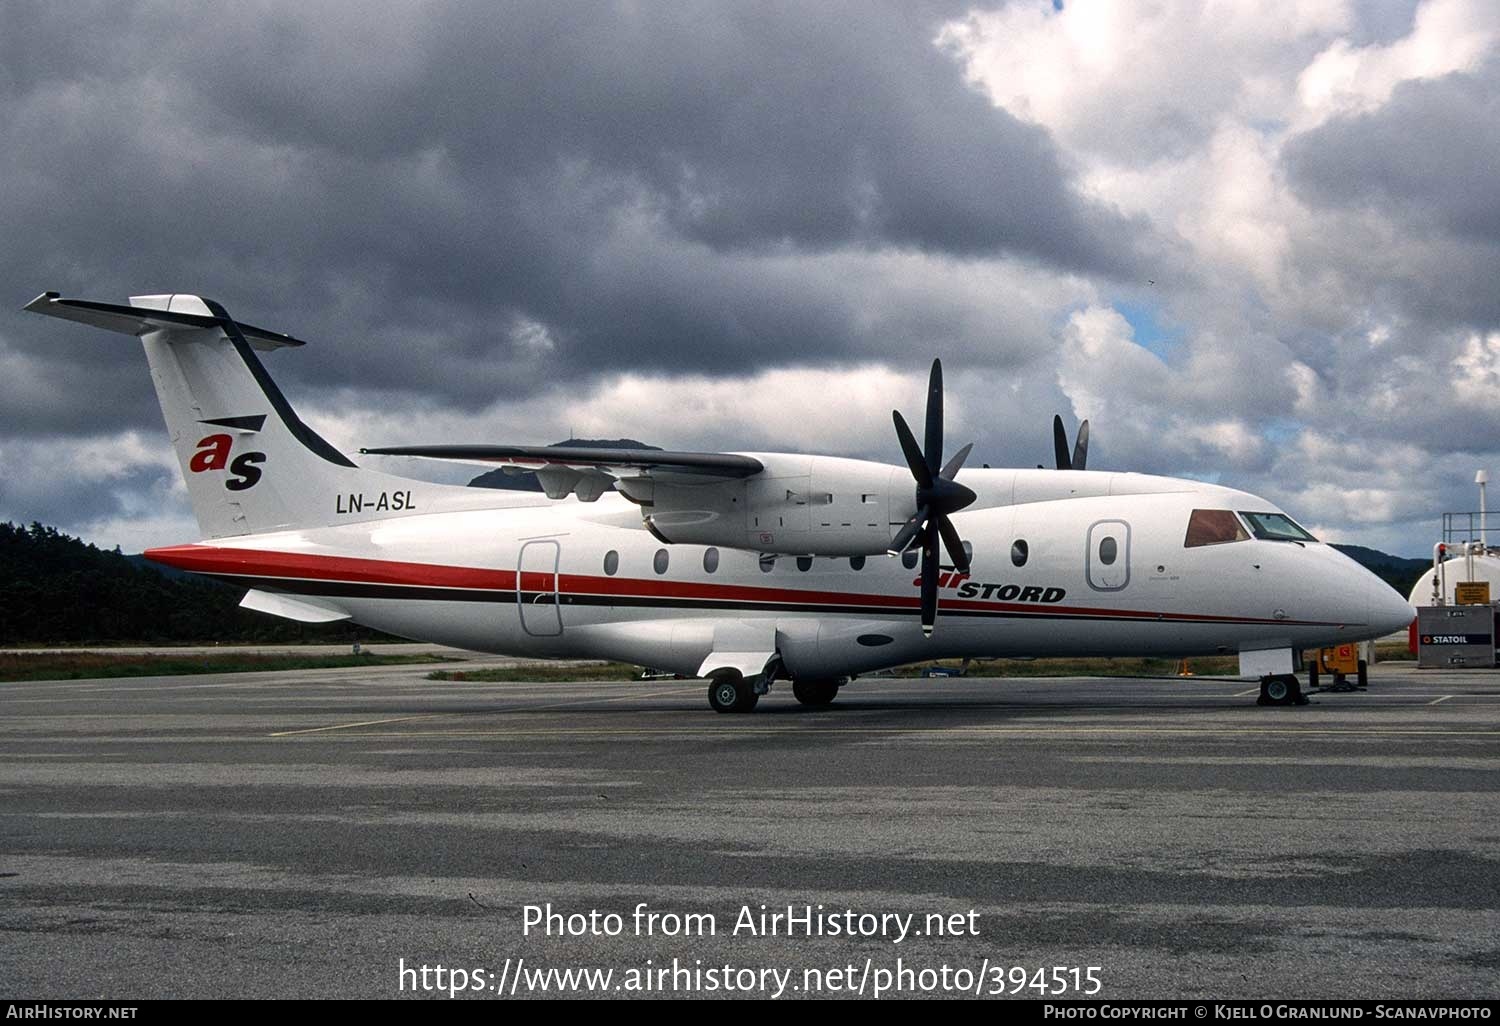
[(409, 184), (1428, 155), (1411, 206)]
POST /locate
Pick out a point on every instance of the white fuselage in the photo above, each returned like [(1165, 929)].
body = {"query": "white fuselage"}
[(539, 579)]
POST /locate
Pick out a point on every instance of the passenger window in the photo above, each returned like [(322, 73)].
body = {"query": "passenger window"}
[(856, 562), (1213, 527), (611, 563), (804, 563), (659, 563), (1108, 550), (1018, 552), (767, 564), (710, 560), (909, 559)]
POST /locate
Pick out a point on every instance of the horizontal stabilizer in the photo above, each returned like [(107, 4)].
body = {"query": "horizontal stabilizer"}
[(147, 314), (302, 610)]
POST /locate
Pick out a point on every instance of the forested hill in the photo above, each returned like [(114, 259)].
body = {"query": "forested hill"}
[(1401, 574), (58, 590)]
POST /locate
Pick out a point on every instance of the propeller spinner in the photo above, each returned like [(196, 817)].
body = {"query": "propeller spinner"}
[(938, 495), (1080, 457)]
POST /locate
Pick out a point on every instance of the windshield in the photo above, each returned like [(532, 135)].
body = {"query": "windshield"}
[(1275, 527), (1213, 527)]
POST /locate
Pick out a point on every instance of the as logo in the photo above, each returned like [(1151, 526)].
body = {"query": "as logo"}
[(215, 452)]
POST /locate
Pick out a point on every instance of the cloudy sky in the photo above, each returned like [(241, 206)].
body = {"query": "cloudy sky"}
[(1253, 243)]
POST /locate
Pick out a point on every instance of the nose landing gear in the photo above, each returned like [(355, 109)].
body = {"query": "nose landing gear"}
[(1282, 689)]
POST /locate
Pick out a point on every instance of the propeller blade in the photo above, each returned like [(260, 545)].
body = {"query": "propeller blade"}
[(908, 532), (1081, 448), (912, 451), (934, 436), (1060, 443), (953, 543), (929, 577), (956, 463)]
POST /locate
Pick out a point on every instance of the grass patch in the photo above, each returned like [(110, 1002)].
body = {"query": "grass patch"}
[(1207, 666), (81, 665), (548, 672), (1394, 652)]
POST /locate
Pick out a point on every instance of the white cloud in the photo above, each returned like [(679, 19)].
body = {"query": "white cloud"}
[(1446, 36), (1477, 370)]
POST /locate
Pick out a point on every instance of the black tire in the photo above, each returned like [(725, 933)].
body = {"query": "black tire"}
[(815, 693), (723, 694), (731, 693), (1281, 690)]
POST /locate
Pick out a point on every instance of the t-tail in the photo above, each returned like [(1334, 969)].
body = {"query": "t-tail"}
[(250, 463)]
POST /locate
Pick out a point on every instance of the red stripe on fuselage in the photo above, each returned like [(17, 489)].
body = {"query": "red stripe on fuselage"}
[(214, 559), (223, 560)]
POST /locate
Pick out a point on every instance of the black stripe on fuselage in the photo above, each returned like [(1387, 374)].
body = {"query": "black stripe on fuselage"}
[(408, 592)]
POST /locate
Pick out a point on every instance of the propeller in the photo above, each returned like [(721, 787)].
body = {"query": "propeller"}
[(1080, 457), (938, 496)]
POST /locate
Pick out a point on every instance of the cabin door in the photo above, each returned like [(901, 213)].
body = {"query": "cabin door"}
[(536, 588)]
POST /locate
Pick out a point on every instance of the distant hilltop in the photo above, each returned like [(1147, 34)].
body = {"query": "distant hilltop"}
[(525, 481), (1399, 573)]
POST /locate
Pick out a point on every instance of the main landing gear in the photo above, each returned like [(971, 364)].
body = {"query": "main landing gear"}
[(732, 692), (1283, 689)]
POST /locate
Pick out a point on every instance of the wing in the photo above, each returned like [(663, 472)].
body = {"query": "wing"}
[(588, 471)]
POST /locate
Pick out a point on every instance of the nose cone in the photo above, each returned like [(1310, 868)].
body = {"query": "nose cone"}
[(1388, 611)]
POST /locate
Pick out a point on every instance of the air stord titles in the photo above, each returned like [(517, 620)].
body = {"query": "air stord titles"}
[(998, 592)]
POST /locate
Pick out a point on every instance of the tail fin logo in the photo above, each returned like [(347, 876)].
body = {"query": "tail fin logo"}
[(216, 452)]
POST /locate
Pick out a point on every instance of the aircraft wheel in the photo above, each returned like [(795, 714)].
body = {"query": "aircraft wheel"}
[(1364, 674), (1281, 690), (732, 693), (815, 693)]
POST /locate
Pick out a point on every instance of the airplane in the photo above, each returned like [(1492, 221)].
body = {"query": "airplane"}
[(742, 568)]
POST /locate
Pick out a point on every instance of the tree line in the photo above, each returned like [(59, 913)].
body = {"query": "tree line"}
[(58, 589)]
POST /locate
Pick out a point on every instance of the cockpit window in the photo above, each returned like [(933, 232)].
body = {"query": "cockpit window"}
[(1275, 527), (1213, 527)]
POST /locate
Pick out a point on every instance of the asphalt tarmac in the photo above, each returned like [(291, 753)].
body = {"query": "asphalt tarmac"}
[(312, 834)]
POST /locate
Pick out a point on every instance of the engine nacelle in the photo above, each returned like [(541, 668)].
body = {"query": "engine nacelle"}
[(803, 505)]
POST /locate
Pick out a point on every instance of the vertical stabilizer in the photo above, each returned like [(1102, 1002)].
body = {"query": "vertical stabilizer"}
[(250, 463)]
